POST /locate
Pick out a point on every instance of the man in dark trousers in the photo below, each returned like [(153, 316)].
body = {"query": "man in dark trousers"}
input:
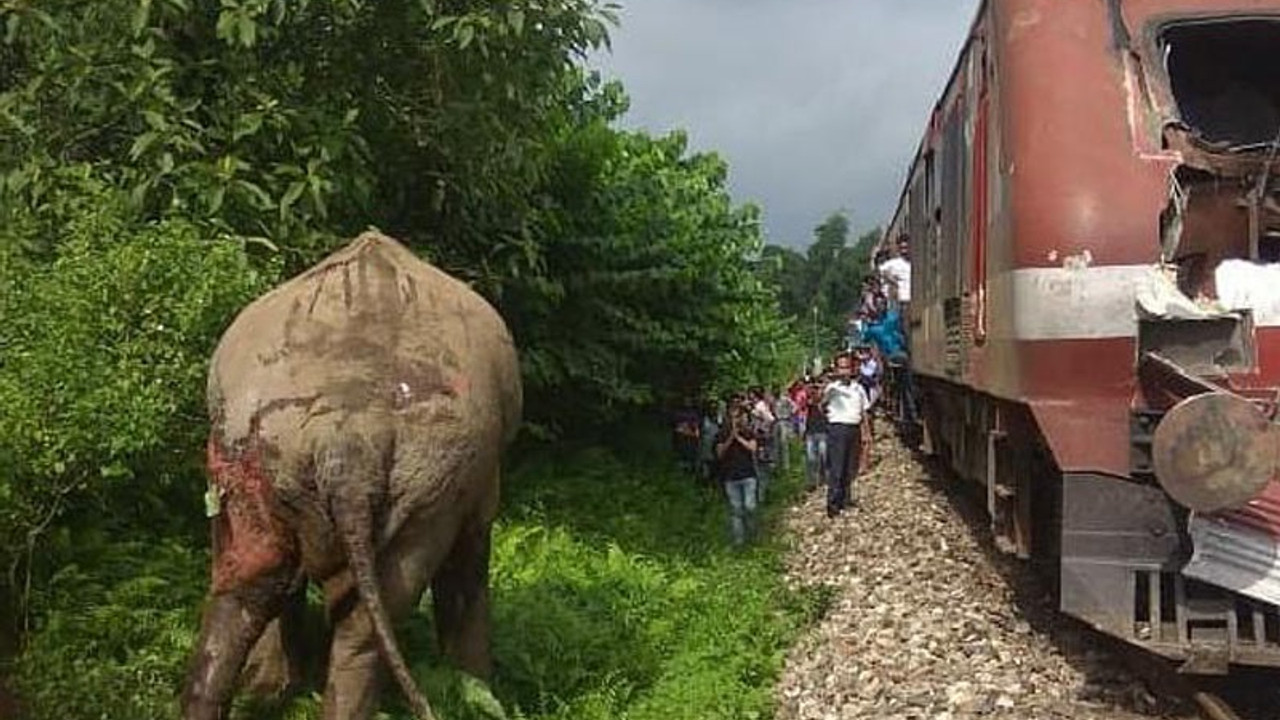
[(846, 404)]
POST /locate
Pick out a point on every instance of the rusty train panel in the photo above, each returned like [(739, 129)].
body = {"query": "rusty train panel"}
[(1094, 217)]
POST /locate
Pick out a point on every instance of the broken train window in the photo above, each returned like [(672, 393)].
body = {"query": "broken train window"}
[(1225, 78)]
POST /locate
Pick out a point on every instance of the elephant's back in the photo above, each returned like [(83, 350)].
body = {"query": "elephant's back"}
[(370, 331)]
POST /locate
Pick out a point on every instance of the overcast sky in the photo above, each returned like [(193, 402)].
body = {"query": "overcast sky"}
[(816, 104)]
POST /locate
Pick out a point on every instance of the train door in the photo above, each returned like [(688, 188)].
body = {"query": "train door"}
[(979, 215)]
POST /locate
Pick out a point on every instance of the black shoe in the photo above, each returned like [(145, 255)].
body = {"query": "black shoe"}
[(832, 511)]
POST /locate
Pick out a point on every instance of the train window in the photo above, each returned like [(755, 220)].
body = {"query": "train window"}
[(930, 183), (1225, 79), (953, 205)]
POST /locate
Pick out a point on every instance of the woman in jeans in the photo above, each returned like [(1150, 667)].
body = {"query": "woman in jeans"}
[(815, 441), (736, 450)]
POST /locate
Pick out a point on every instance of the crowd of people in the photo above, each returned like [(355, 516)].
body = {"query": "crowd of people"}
[(739, 445)]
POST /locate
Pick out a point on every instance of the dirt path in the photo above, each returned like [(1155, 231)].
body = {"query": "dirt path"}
[(928, 621)]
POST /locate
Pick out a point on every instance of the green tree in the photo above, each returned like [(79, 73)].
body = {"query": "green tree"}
[(162, 162), (101, 383), (826, 279), (787, 269), (653, 295), (303, 122)]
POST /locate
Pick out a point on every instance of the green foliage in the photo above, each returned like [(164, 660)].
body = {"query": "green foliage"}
[(114, 639), (104, 356), (463, 128), (615, 595), (304, 121), (162, 162), (823, 285), (648, 292)]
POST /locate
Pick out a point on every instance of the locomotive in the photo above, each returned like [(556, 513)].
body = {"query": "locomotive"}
[(1094, 222)]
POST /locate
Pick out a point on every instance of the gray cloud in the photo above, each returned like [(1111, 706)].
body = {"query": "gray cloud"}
[(816, 104)]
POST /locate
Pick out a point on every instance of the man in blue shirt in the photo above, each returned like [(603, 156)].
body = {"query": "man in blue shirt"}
[(885, 332)]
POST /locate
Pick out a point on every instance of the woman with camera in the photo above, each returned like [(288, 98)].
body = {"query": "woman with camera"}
[(736, 450)]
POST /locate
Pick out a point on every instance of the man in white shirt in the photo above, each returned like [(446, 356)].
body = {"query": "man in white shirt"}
[(760, 410), (846, 404), (897, 270)]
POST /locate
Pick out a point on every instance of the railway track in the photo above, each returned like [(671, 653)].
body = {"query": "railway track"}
[(927, 618), (1246, 694)]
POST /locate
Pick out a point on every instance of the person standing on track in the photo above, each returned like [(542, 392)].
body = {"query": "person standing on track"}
[(870, 375), (846, 404), (815, 440)]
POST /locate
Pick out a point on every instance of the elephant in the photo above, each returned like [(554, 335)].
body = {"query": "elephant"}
[(358, 415)]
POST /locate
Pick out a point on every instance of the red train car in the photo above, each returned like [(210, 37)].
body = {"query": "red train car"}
[(1094, 221)]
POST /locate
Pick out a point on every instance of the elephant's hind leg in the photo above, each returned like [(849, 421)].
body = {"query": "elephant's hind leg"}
[(274, 668), (405, 566), (232, 623), (255, 570), (355, 667), (460, 595)]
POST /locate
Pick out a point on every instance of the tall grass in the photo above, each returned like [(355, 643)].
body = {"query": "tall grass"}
[(616, 594)]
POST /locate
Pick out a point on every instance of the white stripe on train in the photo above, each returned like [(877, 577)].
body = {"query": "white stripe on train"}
[(1084, 303)]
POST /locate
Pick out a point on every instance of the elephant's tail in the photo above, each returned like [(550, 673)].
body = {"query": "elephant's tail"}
[(352, 510)]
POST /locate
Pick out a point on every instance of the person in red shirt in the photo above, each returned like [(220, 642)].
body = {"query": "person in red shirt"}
[(799, 392)]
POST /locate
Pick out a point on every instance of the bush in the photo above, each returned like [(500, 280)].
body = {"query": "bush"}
[(105, 346), (615, 595), (115, 632)]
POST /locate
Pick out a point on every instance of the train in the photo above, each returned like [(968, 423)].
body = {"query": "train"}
[(1093, 218)]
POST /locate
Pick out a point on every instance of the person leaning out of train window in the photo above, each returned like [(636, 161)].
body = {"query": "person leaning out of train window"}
[(897, 272), (846, 405), (885, 333)]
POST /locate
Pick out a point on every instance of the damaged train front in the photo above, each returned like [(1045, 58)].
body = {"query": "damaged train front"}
[(1209, 340)]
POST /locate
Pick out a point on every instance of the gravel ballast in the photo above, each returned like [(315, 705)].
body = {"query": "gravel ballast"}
[(928, 620)]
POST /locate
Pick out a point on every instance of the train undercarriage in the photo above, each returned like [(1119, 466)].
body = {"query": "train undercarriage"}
[(1114, 548)]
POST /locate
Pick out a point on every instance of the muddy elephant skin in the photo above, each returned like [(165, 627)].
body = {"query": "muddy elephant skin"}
[(358, 414)]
